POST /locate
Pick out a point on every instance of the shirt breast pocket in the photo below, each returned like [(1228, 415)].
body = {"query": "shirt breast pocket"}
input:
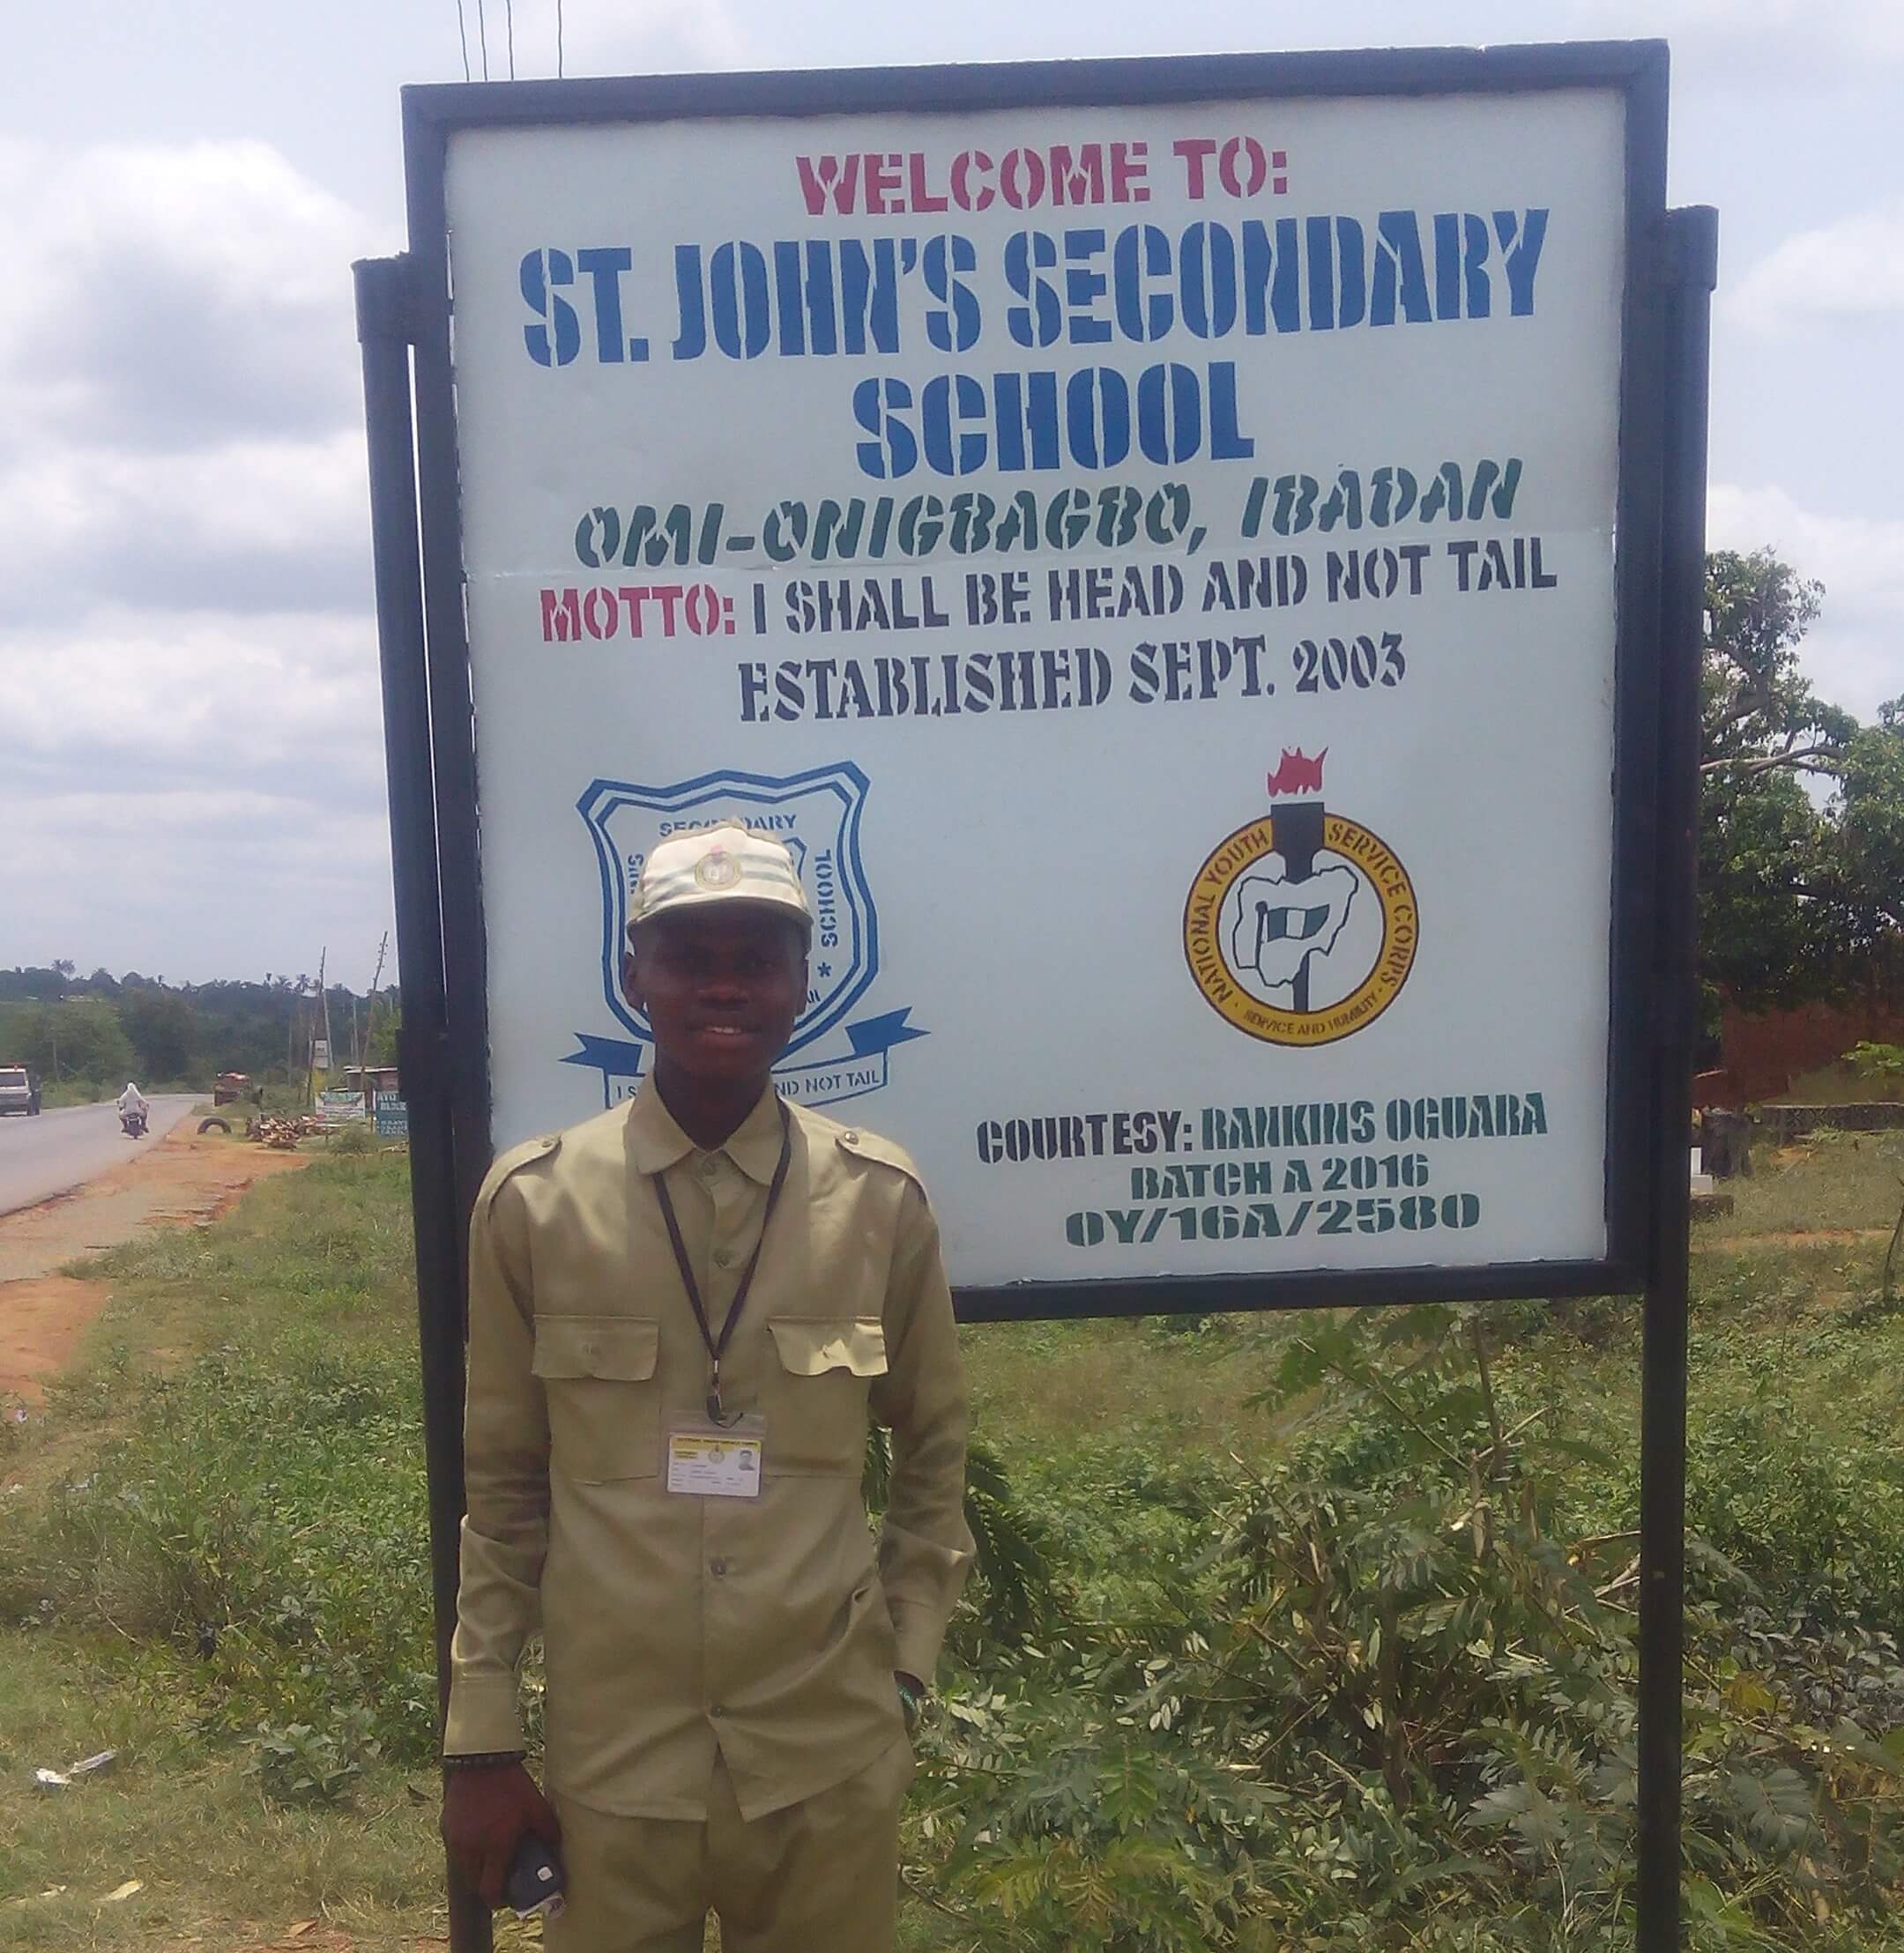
[(816, 1412), (603, 1401)]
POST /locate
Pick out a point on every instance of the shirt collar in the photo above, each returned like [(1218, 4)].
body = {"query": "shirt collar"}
[(656, 1142)]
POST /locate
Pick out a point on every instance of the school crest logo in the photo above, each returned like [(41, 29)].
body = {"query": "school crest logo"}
[(1301, 927), (834, 1054)]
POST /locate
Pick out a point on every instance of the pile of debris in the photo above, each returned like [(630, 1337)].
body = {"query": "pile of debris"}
[(275, 1130)]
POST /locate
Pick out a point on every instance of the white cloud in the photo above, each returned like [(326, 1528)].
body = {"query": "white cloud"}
[(626, 37), (242, 701), (1852, 268), (199, 794), (1784, 40), (178, 296), (193, 740), (191, 882), (1855, 654), (257, 524)]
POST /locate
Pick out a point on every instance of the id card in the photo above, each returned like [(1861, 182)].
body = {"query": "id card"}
[(716, 1460)]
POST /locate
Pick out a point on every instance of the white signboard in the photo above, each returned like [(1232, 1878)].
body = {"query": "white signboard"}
[(1154, 565), (340, 1106)]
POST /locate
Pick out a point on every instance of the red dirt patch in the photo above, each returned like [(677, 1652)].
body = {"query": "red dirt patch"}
[(187, 1180), (40, 1323)]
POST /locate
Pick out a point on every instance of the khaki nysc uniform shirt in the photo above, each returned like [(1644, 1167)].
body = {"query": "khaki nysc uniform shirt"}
[(770, 1627)]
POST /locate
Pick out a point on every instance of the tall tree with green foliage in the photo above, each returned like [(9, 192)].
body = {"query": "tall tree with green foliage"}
[(163, 1031), (81, 1038), (1870, 825), (1797, 899)]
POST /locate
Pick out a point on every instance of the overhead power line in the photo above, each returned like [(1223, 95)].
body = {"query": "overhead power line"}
[(463, 39), (482, 38), (508, 17)]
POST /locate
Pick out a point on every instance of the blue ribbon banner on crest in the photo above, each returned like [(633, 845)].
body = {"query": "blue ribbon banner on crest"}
[(818, 1081)]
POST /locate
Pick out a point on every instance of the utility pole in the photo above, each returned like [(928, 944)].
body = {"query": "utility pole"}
[(310, 1042), (324, 1006), (370, 1004)]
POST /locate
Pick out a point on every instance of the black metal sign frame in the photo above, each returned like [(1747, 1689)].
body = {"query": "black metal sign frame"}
[(404, 324)]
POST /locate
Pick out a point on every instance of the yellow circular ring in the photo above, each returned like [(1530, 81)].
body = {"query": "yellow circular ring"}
[(1217, 984)]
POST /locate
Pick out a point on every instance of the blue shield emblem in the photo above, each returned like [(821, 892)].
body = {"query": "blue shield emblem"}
[(816, 815)]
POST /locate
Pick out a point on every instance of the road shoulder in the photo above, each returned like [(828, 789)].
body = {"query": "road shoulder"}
[(186, 1179)]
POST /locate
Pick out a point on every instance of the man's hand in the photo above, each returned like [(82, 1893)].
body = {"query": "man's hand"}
[(486, 1814)]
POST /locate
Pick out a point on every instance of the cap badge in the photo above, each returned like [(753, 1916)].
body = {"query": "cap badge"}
[(716, 869)]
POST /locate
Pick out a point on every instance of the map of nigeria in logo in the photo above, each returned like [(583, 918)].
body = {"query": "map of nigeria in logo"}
[(816, 815), (1300, 927)]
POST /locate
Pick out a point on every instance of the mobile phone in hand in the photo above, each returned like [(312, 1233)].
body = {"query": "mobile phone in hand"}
[(534, 1885)]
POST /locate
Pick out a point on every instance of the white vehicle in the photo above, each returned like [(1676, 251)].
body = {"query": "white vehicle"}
[(18, 1091)]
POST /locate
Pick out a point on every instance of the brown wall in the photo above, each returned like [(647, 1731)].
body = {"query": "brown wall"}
[(1765, 1052)]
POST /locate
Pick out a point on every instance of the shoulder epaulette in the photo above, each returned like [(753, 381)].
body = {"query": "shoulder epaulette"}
[(507, 1164), (872, 1146)]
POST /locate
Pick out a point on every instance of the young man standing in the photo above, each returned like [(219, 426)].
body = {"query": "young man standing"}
[(682, 1313)]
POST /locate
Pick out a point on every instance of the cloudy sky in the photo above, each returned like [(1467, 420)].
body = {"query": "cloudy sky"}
[(191, 755)]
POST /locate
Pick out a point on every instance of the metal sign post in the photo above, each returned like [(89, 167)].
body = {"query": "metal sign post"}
[(1164, 422), (1689, 271), (385, 311)]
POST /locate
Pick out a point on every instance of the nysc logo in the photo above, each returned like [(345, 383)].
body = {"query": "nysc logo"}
[(1301, 927), (817, 815)]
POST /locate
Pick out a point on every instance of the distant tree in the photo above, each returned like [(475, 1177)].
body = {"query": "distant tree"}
[(1759, 713), (386, 1027), (39, 983), (1762, 941), (1869, 827), (164, 1030), (81, 1039), (1797, 899)]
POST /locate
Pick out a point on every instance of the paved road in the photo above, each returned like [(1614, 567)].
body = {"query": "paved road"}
[(68, 1144)]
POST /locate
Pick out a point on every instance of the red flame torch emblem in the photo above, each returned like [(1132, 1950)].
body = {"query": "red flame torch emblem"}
[(1296, 774)]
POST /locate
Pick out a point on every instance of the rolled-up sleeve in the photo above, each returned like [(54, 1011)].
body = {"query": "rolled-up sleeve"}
[(925, 1548), (506, 1459)]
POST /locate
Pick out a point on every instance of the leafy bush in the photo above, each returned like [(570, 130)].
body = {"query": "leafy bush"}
[(1395, 1708), (299, 1764), (1880, 1061)]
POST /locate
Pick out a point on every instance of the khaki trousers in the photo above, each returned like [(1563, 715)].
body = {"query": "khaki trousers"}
[(820, 1876)]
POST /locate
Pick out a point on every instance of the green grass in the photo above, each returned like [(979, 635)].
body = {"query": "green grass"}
[(1842, 1084), (244, 1545), (223, 1523), (1832, 1181), (184, 1817)]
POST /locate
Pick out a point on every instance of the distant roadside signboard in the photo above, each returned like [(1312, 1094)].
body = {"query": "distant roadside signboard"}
[(339, 1106), (1173, 548), (392, 1116)]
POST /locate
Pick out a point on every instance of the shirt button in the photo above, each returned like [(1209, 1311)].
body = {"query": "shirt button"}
[(710, 1166), (852, 1139), (717, 1568), (722, 1257), (717, 1710)]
